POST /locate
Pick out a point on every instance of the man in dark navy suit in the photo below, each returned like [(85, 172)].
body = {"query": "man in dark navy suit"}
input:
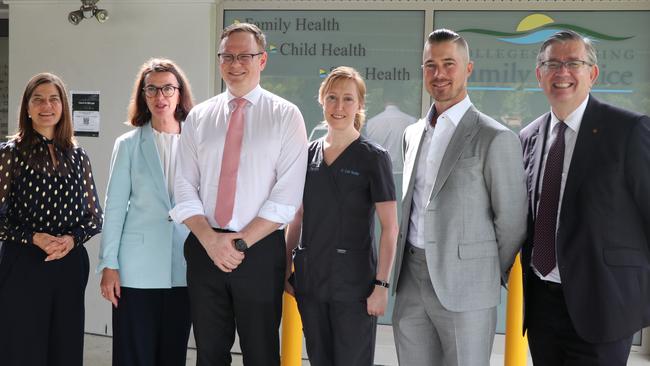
[(586, 260)]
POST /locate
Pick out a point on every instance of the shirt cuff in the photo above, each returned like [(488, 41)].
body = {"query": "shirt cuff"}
[(107, 263), (185, 210), (78, 236), (28, 239), (277, 212)]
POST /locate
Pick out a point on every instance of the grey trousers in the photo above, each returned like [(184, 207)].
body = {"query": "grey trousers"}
[(427, 334)]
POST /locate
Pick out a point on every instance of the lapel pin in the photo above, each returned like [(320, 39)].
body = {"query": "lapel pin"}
[(595, 130)]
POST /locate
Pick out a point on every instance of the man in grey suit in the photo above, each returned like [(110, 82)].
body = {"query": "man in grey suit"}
[(463, 218)]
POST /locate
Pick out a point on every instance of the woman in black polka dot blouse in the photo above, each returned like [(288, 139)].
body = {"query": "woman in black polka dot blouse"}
[(48, 209)]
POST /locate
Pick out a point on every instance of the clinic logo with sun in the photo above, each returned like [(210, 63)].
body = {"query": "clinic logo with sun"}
[(535, 28)]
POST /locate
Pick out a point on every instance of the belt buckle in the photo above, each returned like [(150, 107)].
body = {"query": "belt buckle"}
[(550, 285)]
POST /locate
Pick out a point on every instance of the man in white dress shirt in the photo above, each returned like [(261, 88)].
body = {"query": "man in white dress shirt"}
[(235, 253), (387, 128)]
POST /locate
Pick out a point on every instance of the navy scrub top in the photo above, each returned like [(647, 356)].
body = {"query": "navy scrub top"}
[(336, 260)]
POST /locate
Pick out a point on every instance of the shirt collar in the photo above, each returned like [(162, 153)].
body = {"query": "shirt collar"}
[(44, 139), (252, 97), (454, 114), (573, 120)]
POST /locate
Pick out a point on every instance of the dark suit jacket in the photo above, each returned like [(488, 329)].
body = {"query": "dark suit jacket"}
[(603, 239)]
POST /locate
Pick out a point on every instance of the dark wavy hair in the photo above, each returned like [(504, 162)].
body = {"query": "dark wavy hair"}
[(139, 113), (63, 131)]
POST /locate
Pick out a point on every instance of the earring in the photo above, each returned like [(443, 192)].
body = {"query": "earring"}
[(29, 116)]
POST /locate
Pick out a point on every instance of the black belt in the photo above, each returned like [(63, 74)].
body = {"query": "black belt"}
[(222, 230), (549, 285), (219, 230)]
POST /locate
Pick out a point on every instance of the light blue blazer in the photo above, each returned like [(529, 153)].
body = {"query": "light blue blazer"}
[(138, 237)]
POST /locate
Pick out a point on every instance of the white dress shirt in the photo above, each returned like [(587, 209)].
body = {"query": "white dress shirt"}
[(167, 146), (433, 149), (572, 121), (272, 165), (386, 129)]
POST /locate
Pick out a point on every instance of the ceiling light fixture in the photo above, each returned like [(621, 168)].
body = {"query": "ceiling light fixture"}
[(88, 9)]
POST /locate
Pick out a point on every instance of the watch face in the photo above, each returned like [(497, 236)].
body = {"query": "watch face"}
[(240, 245)]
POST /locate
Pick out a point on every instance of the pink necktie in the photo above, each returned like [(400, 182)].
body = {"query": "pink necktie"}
[(230, 165)]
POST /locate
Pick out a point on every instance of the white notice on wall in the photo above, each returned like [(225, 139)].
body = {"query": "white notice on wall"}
[(85, 113)]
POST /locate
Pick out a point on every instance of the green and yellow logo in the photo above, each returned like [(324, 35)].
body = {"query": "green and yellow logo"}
[(536, 28), (322, 73)]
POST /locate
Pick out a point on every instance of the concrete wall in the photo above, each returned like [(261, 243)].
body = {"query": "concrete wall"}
[(105, 57)]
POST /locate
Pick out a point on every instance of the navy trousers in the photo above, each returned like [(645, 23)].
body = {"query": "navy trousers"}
[(151, 327)]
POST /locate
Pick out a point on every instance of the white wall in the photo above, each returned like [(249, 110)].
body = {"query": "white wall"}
[(105, 57)]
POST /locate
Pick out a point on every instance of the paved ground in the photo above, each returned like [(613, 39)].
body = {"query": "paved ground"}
[(98, 352)]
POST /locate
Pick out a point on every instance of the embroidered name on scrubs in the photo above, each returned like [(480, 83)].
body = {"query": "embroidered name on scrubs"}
[(349, 171)]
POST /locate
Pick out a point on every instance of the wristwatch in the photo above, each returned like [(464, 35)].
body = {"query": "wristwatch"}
[(382, 283), (241, 245)]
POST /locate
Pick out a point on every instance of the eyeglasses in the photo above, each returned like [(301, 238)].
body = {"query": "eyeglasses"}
[(242, 58), (167, 90), (570, 65)]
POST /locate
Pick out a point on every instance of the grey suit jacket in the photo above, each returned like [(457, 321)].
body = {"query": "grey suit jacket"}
[(476, 214)]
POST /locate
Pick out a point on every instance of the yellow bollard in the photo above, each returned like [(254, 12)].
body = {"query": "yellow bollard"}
[(291, 354), (516, 352)]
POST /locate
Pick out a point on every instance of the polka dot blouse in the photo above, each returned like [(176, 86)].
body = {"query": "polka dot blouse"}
[(38, 196)]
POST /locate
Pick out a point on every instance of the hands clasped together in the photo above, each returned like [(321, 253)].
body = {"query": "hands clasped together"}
[(56, 247), (220, 248)]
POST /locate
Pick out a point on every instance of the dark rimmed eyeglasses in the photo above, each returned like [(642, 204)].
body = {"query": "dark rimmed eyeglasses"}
[(166, 90), (242, 58), (570, 65)]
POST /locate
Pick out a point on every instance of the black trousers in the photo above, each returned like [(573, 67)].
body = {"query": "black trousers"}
[(151, 327), (552, 337), (42, 307), (338, 333), (249, 299)]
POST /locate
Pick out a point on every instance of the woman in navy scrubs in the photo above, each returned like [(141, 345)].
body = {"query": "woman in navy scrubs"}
[(338, 284)]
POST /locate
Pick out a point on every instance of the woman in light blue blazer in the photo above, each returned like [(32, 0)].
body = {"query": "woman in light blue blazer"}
[(141, 255)]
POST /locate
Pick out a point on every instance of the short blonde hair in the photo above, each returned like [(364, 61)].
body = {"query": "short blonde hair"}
[(346, 73)]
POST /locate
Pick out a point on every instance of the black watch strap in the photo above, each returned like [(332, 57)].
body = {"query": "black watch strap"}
[(382, 283)]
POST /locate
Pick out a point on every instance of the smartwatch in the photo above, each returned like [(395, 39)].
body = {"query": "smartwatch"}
[(382, 283), (241, 245)]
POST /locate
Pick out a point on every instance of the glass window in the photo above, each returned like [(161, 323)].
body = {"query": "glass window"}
[(504, 46), (304, 45)]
